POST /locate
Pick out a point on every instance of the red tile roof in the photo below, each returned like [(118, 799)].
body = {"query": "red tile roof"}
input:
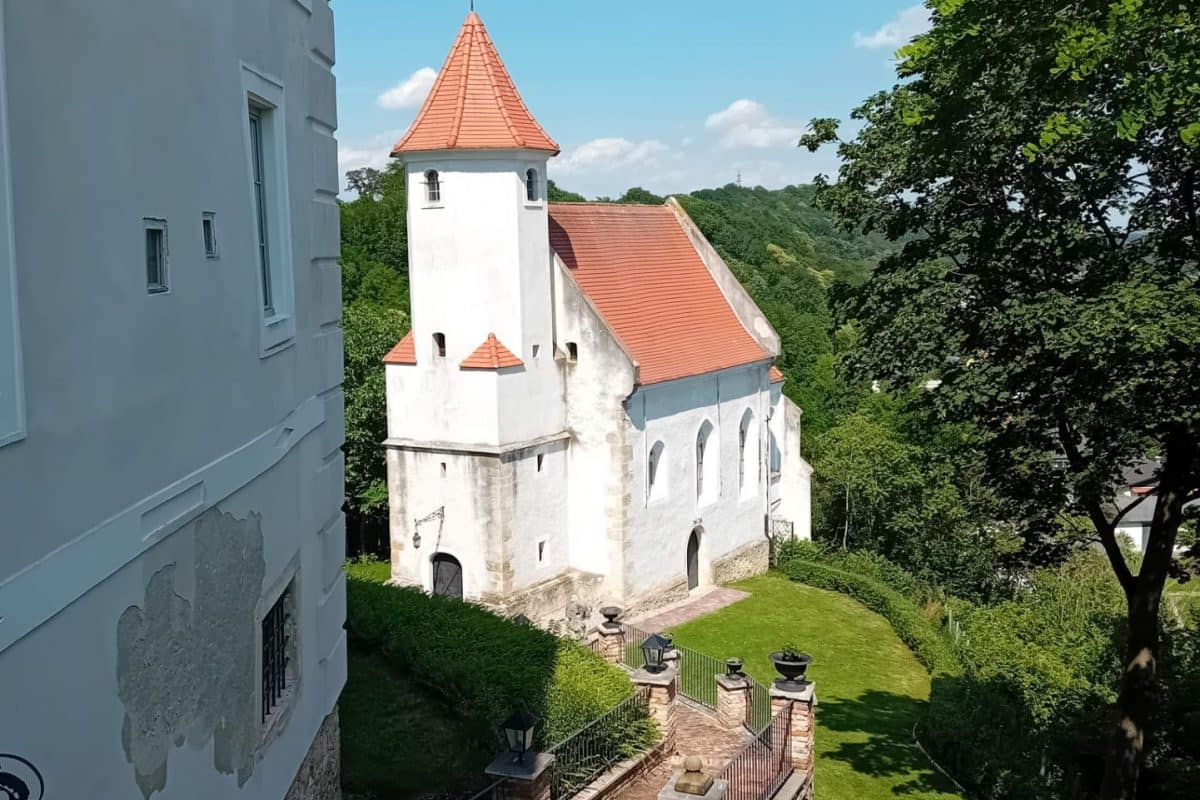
[(474, 104), (776, 375), (403, 353), (491, 355), (641, 270)]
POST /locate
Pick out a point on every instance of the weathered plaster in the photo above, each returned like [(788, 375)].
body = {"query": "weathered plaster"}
[(185, 670)]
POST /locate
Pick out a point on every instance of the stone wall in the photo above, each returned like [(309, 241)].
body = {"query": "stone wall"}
[(320, 774), (746, 561)]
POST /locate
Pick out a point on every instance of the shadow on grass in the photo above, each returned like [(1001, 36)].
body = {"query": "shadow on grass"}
[(886, 720)]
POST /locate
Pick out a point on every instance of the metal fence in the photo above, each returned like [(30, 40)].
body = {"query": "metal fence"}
[(762, 766), (592, 750), (698, 678)]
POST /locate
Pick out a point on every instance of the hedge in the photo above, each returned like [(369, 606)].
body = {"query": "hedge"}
[(922, 637), (484, 664)]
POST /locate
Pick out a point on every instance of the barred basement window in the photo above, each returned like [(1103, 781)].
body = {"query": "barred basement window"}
[(275, 654)]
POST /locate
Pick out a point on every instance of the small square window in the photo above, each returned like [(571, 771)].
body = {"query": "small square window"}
[(208, 224), (572, 352), (536, 349), (156, 255), (539, 461), (541, 550), (439, 345), (443, 469)]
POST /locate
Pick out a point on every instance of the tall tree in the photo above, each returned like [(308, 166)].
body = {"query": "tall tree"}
[(1046, 155)]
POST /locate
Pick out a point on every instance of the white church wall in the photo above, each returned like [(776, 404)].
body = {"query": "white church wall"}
[(435, 401), (793, 481), (600, 458), (673, 413), (538, 545), (158, 440)]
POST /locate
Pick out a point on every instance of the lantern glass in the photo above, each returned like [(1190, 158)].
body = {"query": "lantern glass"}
[(518, 731), (653, 649)]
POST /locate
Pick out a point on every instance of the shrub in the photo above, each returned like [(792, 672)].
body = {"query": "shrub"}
[(484, 664)]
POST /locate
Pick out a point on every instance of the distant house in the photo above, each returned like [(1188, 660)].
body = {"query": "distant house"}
[(586, 410), (1138, 481), (171, 598)]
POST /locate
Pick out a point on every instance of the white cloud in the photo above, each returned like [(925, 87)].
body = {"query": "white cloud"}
[(374, 152), (612, 153), (746, 123), (409, 93), (897, 31)]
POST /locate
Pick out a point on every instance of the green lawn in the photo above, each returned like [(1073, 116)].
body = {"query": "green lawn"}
[(400, 741), (871, 691)]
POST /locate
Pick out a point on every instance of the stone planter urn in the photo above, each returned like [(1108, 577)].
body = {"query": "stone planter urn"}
[(792, 666), (733, 667), (610, 614)]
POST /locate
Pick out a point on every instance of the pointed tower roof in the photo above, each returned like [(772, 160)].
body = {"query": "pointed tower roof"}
[(491, 355), (473, 104)]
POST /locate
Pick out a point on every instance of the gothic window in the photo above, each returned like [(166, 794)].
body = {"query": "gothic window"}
[(655, 486), (433, 187), (747, 456), (706, 463), (531, 186)]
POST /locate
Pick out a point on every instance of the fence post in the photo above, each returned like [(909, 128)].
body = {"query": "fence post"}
[(733, 701), (528, 780), (662, 689), (611, 644), (801, 701)]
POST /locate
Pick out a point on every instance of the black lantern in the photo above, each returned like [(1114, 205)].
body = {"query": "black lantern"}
[(653, 649), (518, 730)]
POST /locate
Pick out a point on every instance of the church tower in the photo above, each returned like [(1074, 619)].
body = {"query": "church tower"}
[(475, 391)]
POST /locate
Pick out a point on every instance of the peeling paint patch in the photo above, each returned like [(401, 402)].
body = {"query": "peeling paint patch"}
[(185, 670)]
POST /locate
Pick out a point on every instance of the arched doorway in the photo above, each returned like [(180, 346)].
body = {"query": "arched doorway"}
[(447, 576), (693, 559)]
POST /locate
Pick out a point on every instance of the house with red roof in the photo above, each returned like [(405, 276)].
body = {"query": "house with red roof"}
[(586, 411)]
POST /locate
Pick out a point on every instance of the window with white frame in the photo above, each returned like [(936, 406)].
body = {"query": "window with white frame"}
[(155, 231), (266, 163), (12, 392), (748, 454), (533, 192), (433, 188)]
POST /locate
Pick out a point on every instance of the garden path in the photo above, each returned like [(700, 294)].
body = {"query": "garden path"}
[(714, 599), (696, 734)]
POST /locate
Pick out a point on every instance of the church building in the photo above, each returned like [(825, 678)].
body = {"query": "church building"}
[(585, 412)]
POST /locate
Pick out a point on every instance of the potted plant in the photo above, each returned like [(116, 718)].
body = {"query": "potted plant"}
[(733, 667), (792, 665)]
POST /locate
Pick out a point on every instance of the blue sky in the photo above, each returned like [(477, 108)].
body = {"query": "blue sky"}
[(666, 94)]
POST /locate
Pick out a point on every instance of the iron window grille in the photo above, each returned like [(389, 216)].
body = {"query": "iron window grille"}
[(274, 655)]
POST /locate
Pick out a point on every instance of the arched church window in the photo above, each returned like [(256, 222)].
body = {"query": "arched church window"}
[(706, 462), (747, 454), (433, 187), (654, 484), (531, 186), (439, 345)]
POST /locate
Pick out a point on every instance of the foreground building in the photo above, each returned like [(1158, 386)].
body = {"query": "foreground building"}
[(586, 410), (171, 599)]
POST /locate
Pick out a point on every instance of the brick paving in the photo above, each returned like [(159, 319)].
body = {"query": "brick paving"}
[(666, 618), (696, 734)]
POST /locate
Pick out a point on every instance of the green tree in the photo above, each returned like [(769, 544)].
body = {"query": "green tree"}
[(1047, 158), (639, 195), (557, 195), (370, 331)]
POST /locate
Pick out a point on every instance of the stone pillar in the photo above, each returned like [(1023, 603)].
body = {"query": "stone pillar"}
[(529, 780), (733, 701), (663, 687), (801, 700), (611, 641)]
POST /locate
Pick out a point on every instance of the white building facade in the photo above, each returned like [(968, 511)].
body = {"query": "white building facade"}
[(171, 594), (585, 411)]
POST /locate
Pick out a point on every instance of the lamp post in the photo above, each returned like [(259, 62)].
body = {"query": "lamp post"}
[(518, 731), (653, 649)]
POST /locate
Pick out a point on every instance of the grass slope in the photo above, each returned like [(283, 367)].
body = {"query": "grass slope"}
[(870, 688), (399, 740)]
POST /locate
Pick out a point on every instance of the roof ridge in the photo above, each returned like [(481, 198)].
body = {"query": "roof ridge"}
[(467, 40)]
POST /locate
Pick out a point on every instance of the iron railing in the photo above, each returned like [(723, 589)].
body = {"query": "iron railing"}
[(758, 770), (698, 678), (621, 733)]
